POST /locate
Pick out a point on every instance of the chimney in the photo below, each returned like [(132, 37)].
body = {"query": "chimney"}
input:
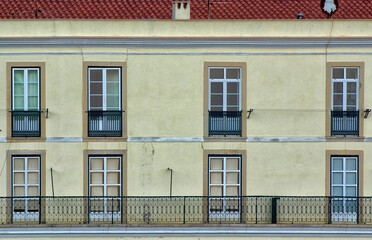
[(181, 10)]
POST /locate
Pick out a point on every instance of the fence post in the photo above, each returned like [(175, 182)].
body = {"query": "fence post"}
[(39, 209), (329, 210), (274, 209), (112, 210), (184, 210)]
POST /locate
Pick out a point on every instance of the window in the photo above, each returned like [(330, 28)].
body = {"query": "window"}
[(344, 188), (344, 101), (224, 186), (25, 110), (105, 187), (104, 102), (26, 189), (225, 103)]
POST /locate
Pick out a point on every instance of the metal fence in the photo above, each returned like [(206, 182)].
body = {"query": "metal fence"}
[(105, 123), (26, 123), (345, 123), (225, 123), (185, 210)]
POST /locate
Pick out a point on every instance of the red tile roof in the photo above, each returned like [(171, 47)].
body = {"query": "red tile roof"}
[(162, 9)]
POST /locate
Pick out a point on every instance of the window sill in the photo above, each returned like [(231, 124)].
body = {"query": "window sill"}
[(104, 139), (223, 138), (345, 138)]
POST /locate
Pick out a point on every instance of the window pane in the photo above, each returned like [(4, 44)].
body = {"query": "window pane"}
[(96, 102), (350, 191), (216, 178), (217, 100), (232, 163), (19, 103), (95, 88), (113, 163), (33, 164), (19, 89), (337, 178), (32, 205), (351, 108), (235, 109), (96, 163), (19, 191), (19, 164), (216, 87), (351, 178), (216, 73), (351, 87), (232, 73), (33, 178), (232, 178), (338, 73), (213, 108), (233, 100), (232, 191), (351, 99), (33, 103), (33, 89), (337, 164), (337, 87), (33, 76), (337, 191), (96, 191), (95, 75), (19, 178), (33, 191), (112, 103), (352, 73), (96, 178), (18, 76), (232, 87), (216, 164), (113, 178), (112, 88), (113, 191), (350, 164), (216, 191), (337, 99), (112, 75)]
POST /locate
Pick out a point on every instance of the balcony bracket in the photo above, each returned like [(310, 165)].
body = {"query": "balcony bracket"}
[(366, 112), (249, 113)]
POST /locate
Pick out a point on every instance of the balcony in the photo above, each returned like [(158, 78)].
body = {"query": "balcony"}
[(225, 123), (25, 123), (345, 123), (104, 123), (186, 210)]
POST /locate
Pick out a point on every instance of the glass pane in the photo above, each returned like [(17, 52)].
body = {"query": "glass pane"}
[(337, 191), (33, 103), (113, 178), (213, 108), (19, 89), (19, 164), (33, 191), (351, 178), (351, 99), (217, 100), (96, 178), (216, 87), (216, 164), (113, 191), (19, 205), (233, 100), (351, 108), (112, 103), (96, 102), (19, 178), (113, 164), (96, 191), (33, 164), (351, 164), (18, 76), (232, 87), (96, 163), (232, 191), (352, 73), (337, 87), (112, 75), (95, 75), (33, 76), (338, 73), (337, 178), (337, 99), (232, 73), (19, 191), (235, 109), (33, 178), (351, 87), (337, 108), (112, 88), (19, 103), (232, 178), (337, 164), (32, 205), (350, 191), (216, 73), (95, 88), (216, 191), (216, 178), (232, 163)]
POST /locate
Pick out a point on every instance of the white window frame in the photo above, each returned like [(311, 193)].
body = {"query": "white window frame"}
[(345, 216), (26, 214), (224, 91), (104, 89), (344, 82), (25, 90)]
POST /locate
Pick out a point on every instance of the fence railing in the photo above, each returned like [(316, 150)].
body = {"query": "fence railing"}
[(104, 123), (345, 123), (186, 210), (25, 123), (225, 123)]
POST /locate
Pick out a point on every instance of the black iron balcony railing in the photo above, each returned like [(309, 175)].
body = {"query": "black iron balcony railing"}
[(104, 123), (25, 123), (184, 210), (345, 123), (225, 123)]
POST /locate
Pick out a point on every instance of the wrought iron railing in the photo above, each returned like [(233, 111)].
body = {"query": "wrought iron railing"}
[(225, 123), (345, 123), (25, 123), (186, 210), (104, 123)]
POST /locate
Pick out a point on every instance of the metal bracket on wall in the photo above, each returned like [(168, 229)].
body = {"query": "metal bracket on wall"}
[(366, 112), (47, 113), (249, 112)]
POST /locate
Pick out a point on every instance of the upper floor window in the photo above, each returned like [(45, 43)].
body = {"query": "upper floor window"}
[(345, 101), (25, 102), (104, 102), (225, 103)]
